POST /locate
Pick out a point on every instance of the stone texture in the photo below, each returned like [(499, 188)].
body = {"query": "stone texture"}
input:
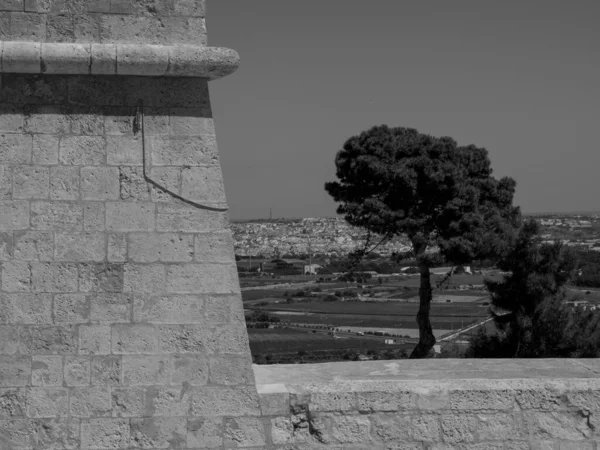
[(121, 322)]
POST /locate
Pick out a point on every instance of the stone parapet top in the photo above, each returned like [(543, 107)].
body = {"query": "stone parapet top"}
[(431, 370), (117, 59)]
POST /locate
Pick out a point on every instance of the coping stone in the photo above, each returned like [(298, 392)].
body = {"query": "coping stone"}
[(117, 59)]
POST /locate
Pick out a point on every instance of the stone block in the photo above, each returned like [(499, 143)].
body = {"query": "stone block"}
[(203, 184), (15, 370), (21, 57), (105, 433), (476, 399), (123, 150), (33, 90), (458, 428), (87, 120), (77, 371), (6, 182), (47, 371), (230, 339), (202, 279), (14, 215), (100, 183), (28, 27), (396, 400), (568, 425), (154, 433), (165, 247), (88, 402), (205, 433), (33, 246), (53, 277), (47, 402), (192, 369), (47, 120), (80, 247), (153, 60), (425, 428), (132, 184), (42, 340), (111, 308), (106, 370), (214, 247), (72, 58), (147, 278), (177, 309), (26, 309), (9, 339), (71, 308), (16, 276), (64, 183), (94, 216), (133, 338), (212, 401), (6, 246), (86, 28), (348, 429), (13, 403), (103, 57), (146, 370), (59, 29), (181, 339), (169, 179), (45, 149), (82, 150), (191, 122), (15, 433), (94, 340), (128, 216), (128, 402), (230, 371), (11, 119), (117, 247), (332, 401), (12, 5), (64, 216), (498, 427), (168, 401), (101, 277), (244, 432), (187, 219), (31, 182), (16, 148), (190, 151), (118, 121)]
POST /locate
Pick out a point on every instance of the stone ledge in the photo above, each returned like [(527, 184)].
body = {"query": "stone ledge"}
[(117, 59), (442, 404)]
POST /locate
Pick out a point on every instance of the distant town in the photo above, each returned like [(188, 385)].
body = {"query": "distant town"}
[(301, 305)]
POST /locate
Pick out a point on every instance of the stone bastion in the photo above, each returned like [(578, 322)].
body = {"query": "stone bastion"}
[(121, 321)]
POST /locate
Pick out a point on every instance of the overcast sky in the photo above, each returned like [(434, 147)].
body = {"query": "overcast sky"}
[(520, 78)]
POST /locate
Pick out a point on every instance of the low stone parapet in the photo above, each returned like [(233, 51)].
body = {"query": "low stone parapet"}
[(432, 405)]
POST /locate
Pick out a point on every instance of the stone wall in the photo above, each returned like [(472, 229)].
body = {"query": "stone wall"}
[(430, 405), (106, 21), (121, 323)]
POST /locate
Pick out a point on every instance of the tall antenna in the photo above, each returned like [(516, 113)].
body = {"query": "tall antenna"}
[(270, 214)]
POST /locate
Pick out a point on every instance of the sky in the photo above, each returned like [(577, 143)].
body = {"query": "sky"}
[(521, 79)]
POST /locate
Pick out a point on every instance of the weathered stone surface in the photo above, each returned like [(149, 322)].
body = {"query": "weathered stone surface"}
[(121, 322)]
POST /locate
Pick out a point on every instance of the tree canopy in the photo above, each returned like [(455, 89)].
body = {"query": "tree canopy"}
[(530, 306), (394, 181)]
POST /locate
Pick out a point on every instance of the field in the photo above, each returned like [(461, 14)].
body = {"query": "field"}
[(287, 340), (388, 306)]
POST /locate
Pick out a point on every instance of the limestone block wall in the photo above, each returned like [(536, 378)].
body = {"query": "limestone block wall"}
[(106, 21), (121, 323), (392, 411)]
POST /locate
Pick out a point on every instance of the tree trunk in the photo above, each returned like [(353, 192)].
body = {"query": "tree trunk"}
[(426, 337)]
